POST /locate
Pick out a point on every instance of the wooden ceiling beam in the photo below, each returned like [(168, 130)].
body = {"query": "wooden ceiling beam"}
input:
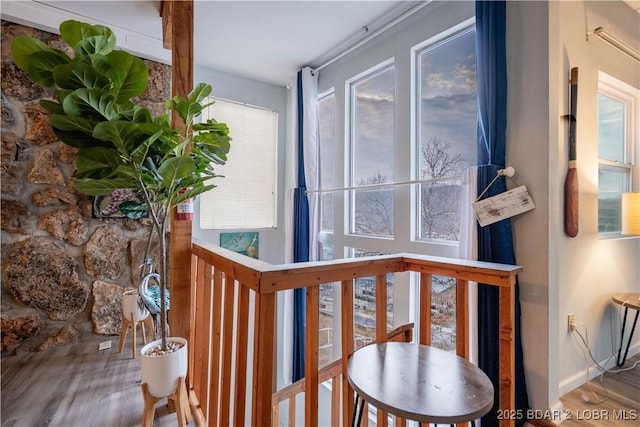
[(166, 13)]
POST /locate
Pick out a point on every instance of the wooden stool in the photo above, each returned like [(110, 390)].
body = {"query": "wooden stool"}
[(180, 400), (148, 322)]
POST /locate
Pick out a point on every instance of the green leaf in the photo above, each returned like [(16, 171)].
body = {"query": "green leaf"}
[(77, 139), (134, 210), (213, 145), (127, 73), (124, 135), (42, 65), (194, 192), (69, 123), (142, 115), (176, 168), (73, 32), (97, 159), (61, 94), (22, 47), (100, 187), (180, 105), (51, 106), (139, 153), (199, 92), (193, 111), (90, 101), (212, 125), (94, 45), (78, 75)]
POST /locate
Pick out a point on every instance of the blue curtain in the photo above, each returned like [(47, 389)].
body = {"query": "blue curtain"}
[(300, 246), (495, 242)]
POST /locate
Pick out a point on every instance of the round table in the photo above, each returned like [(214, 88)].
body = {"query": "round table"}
[(628, 301), (419, 383)]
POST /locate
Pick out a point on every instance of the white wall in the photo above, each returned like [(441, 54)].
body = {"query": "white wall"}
[(592, 268), (563, 274), (265, 95), (528, 151)]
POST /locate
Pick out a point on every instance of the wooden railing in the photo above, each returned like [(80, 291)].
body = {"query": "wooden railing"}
[(232, 381)]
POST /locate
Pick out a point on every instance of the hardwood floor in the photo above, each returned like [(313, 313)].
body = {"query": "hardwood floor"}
[(76, 386), (80, 386), (616, 401)]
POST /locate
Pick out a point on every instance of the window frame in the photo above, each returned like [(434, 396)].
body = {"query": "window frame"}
[(630, 97)]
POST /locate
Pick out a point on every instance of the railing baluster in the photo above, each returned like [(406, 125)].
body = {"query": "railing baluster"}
[(201, 341), (264, 358), (506, 350), (311, 359), (347, 349), (216, 337), (227, 350), (335, 401), (241, 355), (424, 334), (462, 318), (381, 330), (381, 307), (292, 411), (275, 415)]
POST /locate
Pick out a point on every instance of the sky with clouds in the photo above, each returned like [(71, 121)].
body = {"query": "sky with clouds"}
[(447, 107)]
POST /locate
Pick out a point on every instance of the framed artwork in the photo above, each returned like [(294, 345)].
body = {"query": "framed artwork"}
[(246, 243), (114, 205)]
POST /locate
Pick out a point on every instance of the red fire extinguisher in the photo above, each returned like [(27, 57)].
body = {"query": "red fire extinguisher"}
[(184, 210)]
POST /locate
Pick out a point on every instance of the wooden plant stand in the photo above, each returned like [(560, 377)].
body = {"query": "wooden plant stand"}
[(126, 322), (179, 398)]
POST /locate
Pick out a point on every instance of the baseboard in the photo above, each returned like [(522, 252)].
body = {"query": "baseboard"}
[(569, 384)]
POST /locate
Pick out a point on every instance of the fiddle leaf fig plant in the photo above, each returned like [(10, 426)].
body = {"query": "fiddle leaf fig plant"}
[(121, 145)]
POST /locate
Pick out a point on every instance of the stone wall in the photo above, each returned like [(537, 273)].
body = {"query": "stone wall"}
[(63, 271)]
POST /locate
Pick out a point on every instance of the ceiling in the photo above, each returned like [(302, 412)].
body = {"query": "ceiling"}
[(264, 40)]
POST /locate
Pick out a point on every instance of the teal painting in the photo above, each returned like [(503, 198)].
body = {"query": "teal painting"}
[(243, 243)]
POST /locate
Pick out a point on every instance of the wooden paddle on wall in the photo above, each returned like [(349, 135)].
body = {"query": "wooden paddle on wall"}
[(571, 180)]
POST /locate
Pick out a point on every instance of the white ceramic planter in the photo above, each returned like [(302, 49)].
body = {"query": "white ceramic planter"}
[(161, 373), (130, 305)]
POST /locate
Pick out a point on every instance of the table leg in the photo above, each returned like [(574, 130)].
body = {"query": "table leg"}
[(633, 328), (357, 411)]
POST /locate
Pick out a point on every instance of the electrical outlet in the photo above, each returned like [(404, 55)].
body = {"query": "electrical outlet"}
[(571, 322)]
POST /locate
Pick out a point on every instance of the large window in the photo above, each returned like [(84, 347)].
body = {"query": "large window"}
[(246, 197), (617, 105), (447, 116), (372, 152), (442, 147)]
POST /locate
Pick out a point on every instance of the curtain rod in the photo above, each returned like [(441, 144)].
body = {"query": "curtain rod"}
[(386, 184), (374, 34), (601, 33)]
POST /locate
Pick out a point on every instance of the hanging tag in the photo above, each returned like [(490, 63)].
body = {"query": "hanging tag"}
[(503, 205)]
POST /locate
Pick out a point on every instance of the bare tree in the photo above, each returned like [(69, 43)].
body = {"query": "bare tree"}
[(439, 211), (374, 207), (437, 162)]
